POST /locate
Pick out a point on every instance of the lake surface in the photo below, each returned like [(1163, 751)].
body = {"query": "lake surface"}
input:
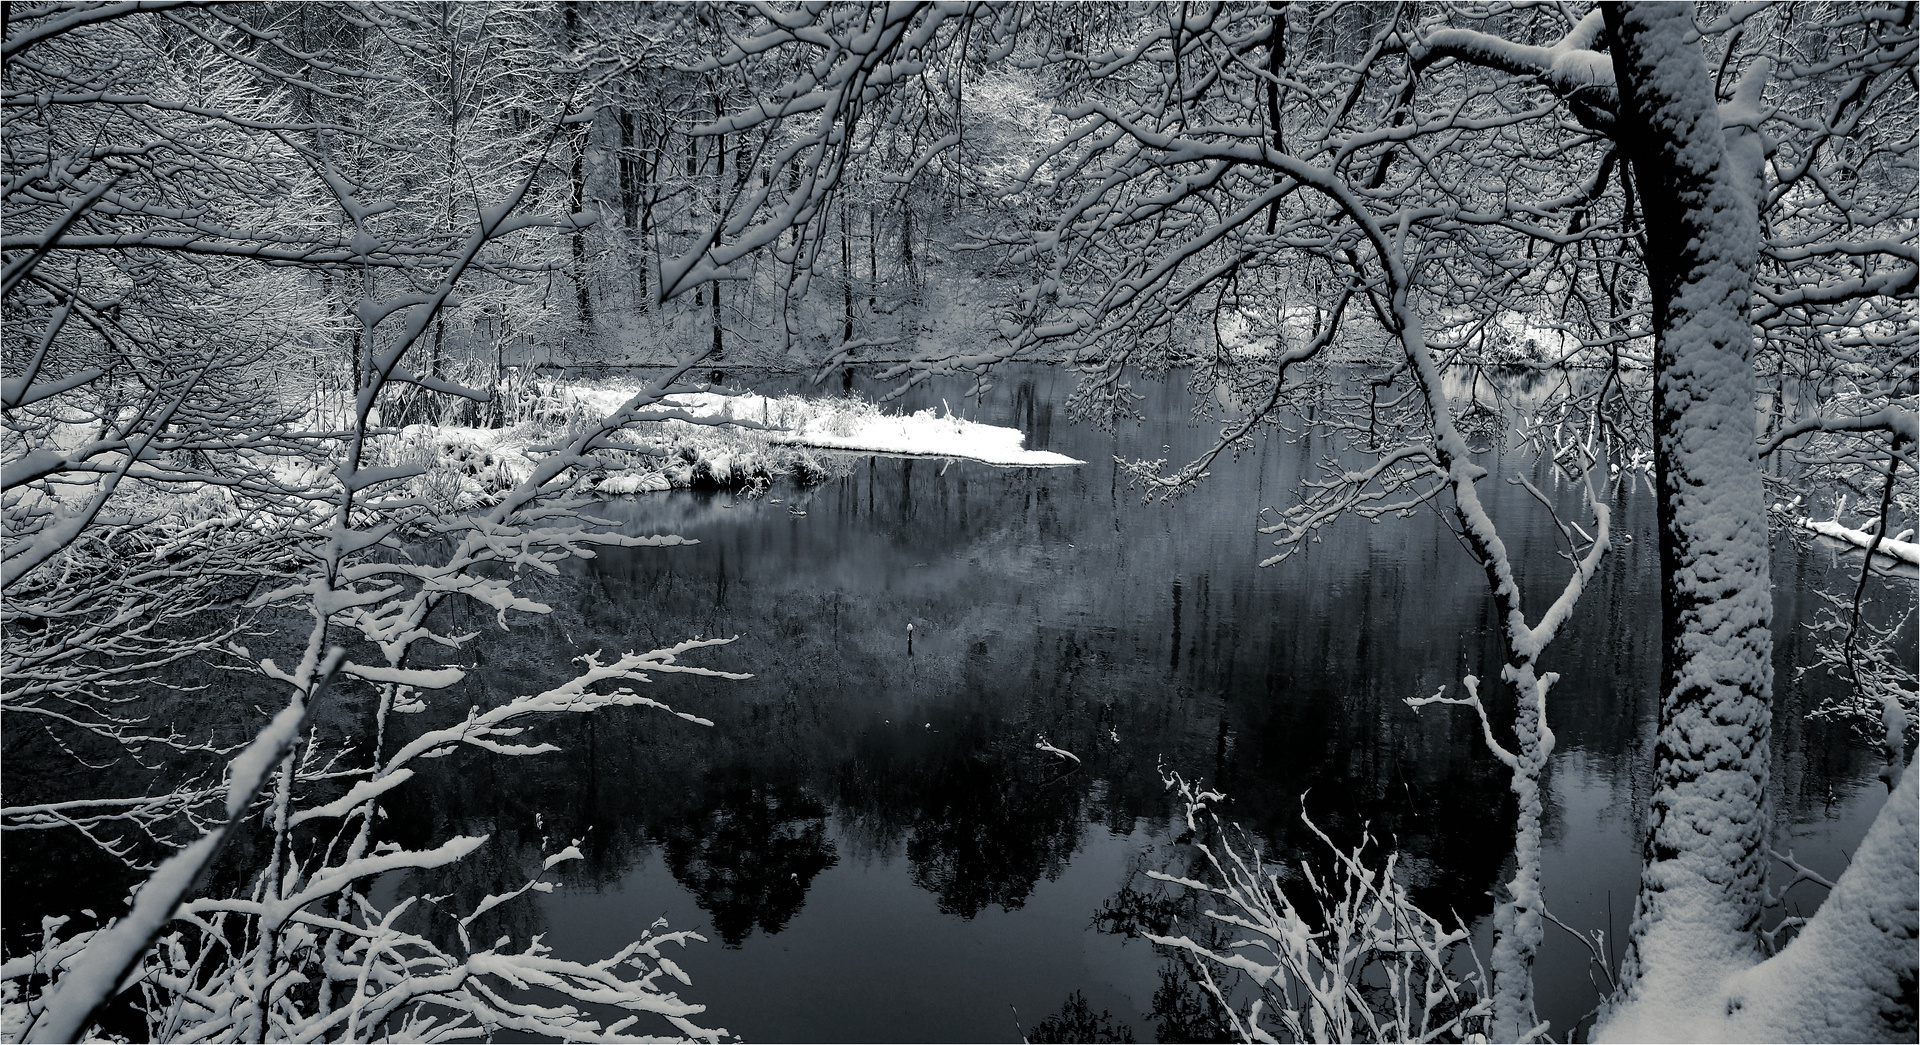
[(870, 838), (868, 835)]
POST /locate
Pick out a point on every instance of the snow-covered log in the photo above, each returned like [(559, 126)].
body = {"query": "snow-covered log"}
[(1906, 551)]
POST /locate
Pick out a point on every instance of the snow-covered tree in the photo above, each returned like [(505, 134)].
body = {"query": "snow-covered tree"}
[(1693, 229), (191, 192), (1360, 209)]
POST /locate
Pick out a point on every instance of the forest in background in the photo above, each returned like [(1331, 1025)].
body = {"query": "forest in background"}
[(246, 246)]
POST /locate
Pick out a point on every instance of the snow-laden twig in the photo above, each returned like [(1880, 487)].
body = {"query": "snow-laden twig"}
[(1042, 745), (1801, 872), (96, 975), (1369, 965)]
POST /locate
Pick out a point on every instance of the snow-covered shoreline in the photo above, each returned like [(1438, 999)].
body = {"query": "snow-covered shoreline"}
[(851, 425), (699, 439)]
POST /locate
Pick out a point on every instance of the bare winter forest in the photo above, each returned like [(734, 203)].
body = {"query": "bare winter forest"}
[(833, 521)]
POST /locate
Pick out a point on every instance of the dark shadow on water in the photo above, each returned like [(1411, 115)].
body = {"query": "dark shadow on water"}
[(861, 820), (748, 851)]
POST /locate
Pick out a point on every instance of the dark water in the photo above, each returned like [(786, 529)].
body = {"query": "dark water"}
[(871, 841)]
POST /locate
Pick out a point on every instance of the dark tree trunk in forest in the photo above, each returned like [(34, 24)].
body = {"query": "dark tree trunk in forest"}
[(719, 183), (633, 213), (1276, 61), (583, 299), (846, 278), (906, 247), (1704, 860), (629, 172)]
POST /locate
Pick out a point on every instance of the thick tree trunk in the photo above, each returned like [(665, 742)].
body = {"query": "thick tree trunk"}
[(1704, 861)]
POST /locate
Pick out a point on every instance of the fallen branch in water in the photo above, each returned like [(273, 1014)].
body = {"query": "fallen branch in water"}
[(1905, 551)]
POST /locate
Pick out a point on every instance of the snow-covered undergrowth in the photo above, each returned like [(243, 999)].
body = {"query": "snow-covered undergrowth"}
[(694, 440), (1367, 965)]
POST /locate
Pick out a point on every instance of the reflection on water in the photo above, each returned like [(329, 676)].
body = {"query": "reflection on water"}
[(881, 852), (870, 837), (748, 852)]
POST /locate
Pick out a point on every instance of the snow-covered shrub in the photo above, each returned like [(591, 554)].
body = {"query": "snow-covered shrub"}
[(844, 416), (1367, 965), (1871, 654), (309, 956), (714, 457)]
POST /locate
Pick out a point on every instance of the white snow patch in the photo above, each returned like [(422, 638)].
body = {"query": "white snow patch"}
[(1042, 745), (849, 424)]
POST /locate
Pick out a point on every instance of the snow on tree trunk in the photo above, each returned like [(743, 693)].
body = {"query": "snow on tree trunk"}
[(1849, 976), (1851, 973), (1517, 919), (1702, 878)]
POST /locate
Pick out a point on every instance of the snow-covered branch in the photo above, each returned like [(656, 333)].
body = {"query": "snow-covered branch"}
[(1317, 973)]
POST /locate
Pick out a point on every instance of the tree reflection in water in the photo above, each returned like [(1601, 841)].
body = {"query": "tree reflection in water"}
[(988, 834), (1049, 603), (748, 851), (1182, 1009), (1076, 1021)]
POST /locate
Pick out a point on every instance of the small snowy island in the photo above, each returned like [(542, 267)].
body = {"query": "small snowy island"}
[(699, 439), (853, 425)]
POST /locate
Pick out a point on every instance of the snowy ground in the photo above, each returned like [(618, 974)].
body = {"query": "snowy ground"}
[(850, 424), (706, 438)]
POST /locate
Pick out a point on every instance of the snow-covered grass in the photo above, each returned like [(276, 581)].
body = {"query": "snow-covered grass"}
[(698, 439), (852, 424)]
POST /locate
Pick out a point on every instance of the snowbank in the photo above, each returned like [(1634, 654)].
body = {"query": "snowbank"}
[(697, 440), (1841, 979), (850, 424)]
